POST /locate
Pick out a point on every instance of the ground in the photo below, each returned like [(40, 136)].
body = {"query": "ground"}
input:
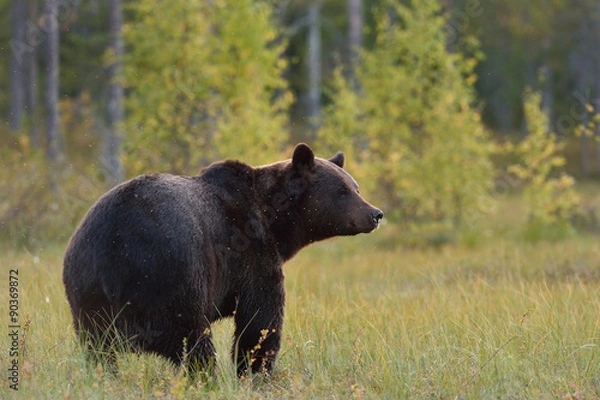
[(501, 318)]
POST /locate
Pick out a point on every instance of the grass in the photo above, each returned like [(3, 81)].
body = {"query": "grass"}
[(503, 319)]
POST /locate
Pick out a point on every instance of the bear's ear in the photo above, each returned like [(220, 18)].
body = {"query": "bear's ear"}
[(338, 159), (303, 156)]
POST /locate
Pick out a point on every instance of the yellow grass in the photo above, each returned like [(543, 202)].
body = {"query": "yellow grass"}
[(363, 320)]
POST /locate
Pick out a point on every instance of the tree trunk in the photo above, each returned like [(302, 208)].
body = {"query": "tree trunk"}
[(31, 84), (448, 7), (115, 102), (53, 132), (18, 55), (582, 66), (314, 64), (585, 154), (355, 38), (596, 39), (547, 95), (597, 111)]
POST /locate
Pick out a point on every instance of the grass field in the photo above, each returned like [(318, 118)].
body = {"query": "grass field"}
[(364, 319)]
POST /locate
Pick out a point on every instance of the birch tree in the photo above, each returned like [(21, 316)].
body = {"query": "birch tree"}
[(18, 53), (114, 135), (53, 132), (314, 63), (355, 37)]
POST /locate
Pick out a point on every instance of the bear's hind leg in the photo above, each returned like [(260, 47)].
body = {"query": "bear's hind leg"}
[(191, 348), (201, 353), (100, 340)]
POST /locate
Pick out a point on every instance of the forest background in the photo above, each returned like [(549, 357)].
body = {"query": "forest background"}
[(439, 105)]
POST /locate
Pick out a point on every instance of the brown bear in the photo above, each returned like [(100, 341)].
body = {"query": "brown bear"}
[(160, 257)]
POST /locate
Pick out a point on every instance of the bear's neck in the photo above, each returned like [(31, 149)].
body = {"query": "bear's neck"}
[(289, 238), (283, 220)]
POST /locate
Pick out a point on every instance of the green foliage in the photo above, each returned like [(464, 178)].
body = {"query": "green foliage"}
[(83, 41), (31, 215), (204, 84), (413, 137), (592, 126), (549, 192), (518, 37)]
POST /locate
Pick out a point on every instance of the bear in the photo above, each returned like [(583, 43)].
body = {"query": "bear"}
[(160, 257)]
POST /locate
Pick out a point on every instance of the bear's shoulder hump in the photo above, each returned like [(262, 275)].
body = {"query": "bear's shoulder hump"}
[(229, 172)]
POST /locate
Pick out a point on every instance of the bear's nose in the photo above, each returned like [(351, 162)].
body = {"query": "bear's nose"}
[(377, 215)]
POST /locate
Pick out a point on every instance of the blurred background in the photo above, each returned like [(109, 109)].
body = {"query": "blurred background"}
[(462, 119)]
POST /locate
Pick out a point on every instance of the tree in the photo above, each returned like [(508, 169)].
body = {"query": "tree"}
[(53, 131), (18, 54), (114, 136), (582, 63), (318, 34), (523, 40), (314, 63), (204, 84), (413, 135), (355, 36), (31, 83), (550, 199)]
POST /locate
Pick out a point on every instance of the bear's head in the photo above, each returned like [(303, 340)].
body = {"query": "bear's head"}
[(328, 198)]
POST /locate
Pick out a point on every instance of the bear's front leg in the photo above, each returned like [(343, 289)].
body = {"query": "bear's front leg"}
[(258, 324)]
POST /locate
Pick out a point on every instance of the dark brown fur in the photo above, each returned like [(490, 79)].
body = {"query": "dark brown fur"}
[(160, 257)]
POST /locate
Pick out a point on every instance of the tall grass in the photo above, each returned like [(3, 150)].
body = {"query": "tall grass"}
[(501, 320)]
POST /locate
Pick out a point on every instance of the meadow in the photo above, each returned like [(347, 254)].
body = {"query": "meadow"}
[(366, 318)]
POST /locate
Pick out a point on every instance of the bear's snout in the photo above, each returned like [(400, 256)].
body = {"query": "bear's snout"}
[(369, 220), (377, 215)]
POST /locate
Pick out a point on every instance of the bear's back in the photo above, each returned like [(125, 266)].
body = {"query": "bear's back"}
[(158, 227), (138, 231), (145, 205)]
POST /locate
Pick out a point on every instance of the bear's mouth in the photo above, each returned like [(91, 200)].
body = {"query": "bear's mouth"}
[(371, 225)]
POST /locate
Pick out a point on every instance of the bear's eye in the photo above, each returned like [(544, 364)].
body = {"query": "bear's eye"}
[(344, 191)]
